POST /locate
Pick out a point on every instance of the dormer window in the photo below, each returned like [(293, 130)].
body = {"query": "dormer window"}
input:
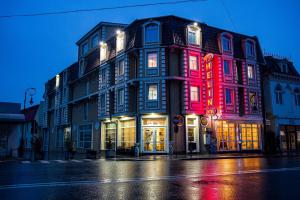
[(297, 97), (103, 51), (226, 43), (151, 33), (284, 68), (194, 34), (84, 49), (250, 51), (120, 40)]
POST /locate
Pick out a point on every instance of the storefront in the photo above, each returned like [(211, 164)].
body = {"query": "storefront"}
[(192, 133), (126, 134), (235, 136), (154, 131), (118, 134), (290, 137)]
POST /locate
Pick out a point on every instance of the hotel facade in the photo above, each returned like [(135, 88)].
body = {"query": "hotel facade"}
[(165, 85), (169, 84)]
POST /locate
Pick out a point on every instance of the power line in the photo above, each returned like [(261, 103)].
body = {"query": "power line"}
[(228, 14), (97, 9)]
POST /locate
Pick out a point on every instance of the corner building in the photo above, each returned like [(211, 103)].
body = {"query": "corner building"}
[(157, 70)]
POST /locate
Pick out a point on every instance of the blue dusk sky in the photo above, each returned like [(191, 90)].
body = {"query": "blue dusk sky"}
[(34, 49)]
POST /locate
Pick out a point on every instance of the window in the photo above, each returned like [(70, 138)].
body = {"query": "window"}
[(151, 33), (103, 51), (85, 111), (121, 67), (228, 96), (126, 137), (227, 67), (297, 97), (120, 97), (284, 68), (102, 101), (250, 71), (103, 75), (253, 101), (278, 94), (194, 93), (95, 41), (84, 49), (226, 43), (120, 40), (250, 48), (85, 136), (59, 138), (152, 92), (152, 60), (193, 62), (57, 81), (194, 34), (81, 67)]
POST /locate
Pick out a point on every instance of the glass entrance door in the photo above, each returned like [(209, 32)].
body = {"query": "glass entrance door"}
[(110, 136), (154, 139)]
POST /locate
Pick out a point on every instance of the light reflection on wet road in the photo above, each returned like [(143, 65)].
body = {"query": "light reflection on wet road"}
[(251, 178)]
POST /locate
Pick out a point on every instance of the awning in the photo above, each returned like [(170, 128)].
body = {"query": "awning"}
[(5, 117)]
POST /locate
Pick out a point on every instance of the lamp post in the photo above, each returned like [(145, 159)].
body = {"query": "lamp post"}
[(30, 92)]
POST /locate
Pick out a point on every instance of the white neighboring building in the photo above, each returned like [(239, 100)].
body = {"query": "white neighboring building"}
[(282, 103)]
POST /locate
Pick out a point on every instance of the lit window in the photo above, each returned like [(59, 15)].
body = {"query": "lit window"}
[(253, 101), (121, 67), (57, 80), (120, 40), (250, 48), (227, 70), (228, 96), (85, 49), (193, 62), (120, 97), (226, 43), (250, 71), (152, 60), (103, 51), (152, 92), (194, 35), (194, 93), (151, 33), (95, 41)]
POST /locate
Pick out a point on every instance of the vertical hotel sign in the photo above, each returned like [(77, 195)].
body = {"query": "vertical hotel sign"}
[(208, 60)]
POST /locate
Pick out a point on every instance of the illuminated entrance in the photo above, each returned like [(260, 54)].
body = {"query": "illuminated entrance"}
[(110, 135), (192, 134), (154, 134)]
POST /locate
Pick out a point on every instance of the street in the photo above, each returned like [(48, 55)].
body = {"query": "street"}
[(247, 178)]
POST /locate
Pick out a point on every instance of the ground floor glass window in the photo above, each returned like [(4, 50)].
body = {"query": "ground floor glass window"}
[(85, 136), (126, 137), (249, 136), (226, 136)]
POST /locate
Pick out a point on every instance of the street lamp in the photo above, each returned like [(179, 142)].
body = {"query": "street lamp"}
[(28, 92)]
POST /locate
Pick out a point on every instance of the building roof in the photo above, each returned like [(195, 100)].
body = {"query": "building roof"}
[(10, 112), (273, 66), (30, 112), (99, 25)]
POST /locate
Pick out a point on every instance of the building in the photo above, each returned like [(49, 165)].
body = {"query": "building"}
[(29, 129), (172, 84), (282, 103), (11, 120), (71, 97)]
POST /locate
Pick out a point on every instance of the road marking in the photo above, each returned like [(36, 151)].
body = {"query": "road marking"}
[(44, 161), (87, 160), (77, 161), (60, 161), (26, 162), (140, 179)]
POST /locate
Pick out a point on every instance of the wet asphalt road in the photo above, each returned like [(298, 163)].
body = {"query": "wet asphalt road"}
[(250, 178)]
